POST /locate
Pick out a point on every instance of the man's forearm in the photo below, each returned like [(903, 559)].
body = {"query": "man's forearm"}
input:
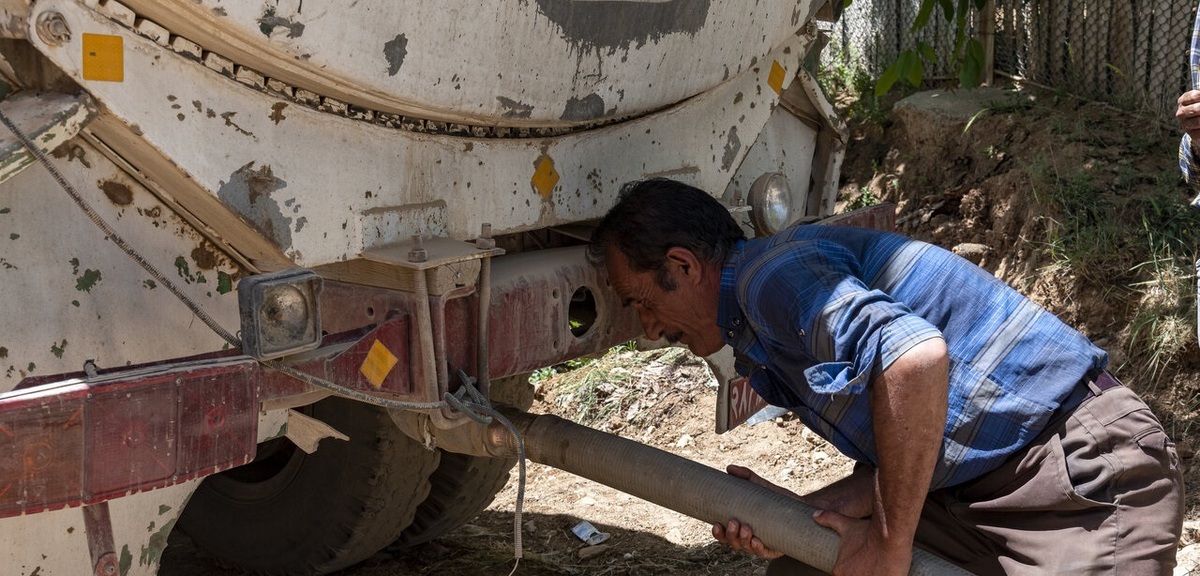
[(852, 496), (908, 405)]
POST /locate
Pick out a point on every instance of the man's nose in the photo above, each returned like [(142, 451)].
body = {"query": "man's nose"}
[(650, 324)]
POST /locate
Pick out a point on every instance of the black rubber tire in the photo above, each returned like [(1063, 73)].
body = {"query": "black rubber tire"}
[(463, 486), (291, 513)]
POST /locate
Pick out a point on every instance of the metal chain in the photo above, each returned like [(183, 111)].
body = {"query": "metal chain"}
[(116, 238)]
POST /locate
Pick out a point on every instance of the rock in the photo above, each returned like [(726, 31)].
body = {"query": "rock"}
[(1188, 560), (930, 113), (972, 251), (1191, 533), (592, 551), (675, 536)]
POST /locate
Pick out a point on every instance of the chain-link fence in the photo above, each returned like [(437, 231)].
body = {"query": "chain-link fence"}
[(1130, 53)]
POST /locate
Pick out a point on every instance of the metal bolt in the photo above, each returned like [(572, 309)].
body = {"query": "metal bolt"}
[(418, 252), (52, 28), (485, 240)]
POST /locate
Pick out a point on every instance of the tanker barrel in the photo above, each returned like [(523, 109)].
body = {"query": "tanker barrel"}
[(783, 523)]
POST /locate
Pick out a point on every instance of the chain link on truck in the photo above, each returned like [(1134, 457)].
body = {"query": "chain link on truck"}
[(236, 237)]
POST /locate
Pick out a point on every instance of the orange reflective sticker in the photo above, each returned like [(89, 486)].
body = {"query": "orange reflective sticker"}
[(103, 58), (378, 363), (777, 76), (545, 177)]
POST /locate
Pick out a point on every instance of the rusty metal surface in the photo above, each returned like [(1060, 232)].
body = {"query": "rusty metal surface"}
[(98, 523), (86, 442), (528, 323), (877, 217), (152, 426)]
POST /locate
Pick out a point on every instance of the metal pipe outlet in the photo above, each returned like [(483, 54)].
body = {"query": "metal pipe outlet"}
[(783, 523)]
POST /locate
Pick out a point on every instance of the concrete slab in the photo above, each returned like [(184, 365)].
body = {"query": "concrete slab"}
[(959, 106)]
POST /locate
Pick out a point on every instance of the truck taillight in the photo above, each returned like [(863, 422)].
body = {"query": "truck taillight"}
[(78, 443)]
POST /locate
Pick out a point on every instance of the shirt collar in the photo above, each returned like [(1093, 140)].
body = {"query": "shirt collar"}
[(729, 314)]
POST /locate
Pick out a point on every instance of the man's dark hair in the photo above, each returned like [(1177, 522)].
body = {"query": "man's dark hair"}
[(653, 216)]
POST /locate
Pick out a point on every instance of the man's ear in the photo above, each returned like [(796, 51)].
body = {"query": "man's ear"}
[(686, 262)]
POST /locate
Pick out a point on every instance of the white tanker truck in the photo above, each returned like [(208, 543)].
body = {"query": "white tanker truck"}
[(236, 236)]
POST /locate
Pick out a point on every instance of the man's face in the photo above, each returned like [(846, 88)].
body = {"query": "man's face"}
[(685, 313)]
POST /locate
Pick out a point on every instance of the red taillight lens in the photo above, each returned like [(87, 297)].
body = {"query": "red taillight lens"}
[(41, 450), (76, 443)]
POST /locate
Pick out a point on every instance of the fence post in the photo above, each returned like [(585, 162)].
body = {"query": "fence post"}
[(987, 36)]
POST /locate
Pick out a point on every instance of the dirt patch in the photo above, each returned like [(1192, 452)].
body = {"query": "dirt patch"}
[(664, 398)]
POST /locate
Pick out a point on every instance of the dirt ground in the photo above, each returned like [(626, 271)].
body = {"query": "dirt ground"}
[(666, 398), (978, 184)]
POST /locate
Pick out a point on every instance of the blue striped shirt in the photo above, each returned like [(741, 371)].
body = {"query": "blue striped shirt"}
[(816, 312), (1187, 157)]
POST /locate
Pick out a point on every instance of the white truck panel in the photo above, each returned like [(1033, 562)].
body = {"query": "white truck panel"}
[(92, 301), (371, 185), (57, 543), (541, 62)]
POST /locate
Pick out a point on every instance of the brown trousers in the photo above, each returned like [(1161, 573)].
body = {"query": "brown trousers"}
[(1099, 493)]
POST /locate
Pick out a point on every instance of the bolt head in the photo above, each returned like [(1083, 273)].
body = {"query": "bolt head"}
[(52, 28)]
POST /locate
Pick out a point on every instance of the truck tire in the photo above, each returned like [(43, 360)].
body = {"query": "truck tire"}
[(292, 513), (463, 486)]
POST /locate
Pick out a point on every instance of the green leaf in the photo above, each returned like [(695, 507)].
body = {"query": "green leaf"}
[(980, 4), (927, 51), (908, 67), (913, 69), (975, 117), (972, 67), (888, 78), (948, 9), (923, 15)]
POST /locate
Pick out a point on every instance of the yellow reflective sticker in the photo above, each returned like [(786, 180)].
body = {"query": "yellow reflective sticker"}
[(103, 58), (777, 76), (378, 363), (545, 177)]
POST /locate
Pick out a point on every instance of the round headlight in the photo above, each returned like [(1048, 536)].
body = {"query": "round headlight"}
[(770, 203), (285, 314)]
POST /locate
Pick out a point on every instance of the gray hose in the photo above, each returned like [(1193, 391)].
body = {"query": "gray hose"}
[(781, 522)]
